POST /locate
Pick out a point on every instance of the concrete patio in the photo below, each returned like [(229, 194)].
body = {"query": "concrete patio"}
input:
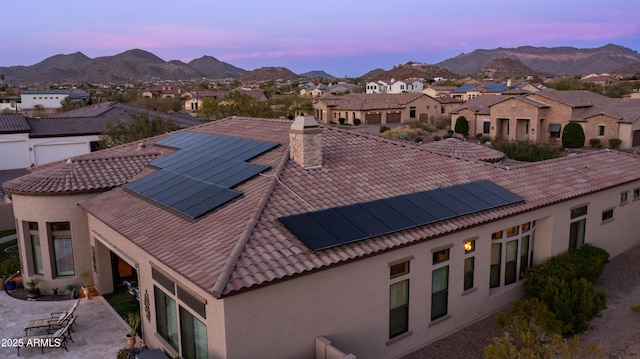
[(98, 331)]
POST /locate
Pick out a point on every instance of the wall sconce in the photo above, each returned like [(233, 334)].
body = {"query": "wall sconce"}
[(533, 130), (30, 148)]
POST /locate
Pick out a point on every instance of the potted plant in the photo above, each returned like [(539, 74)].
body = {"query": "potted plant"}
[(33, 289), (85, 278), (133, 319), (72, 289)]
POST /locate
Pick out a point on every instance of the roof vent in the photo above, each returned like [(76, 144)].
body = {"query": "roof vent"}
[(69, 162)]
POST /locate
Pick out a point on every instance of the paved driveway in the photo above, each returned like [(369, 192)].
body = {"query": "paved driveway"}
[(98, 332)]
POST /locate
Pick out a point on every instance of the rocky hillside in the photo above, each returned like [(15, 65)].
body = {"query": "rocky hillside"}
[(317, 74), (410, 70), (504, 68), (552, 60), (270, 73), (630, 69), (211, 67)]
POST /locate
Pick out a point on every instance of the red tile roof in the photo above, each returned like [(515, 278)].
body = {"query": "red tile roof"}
[(464, 149), (242, 244)]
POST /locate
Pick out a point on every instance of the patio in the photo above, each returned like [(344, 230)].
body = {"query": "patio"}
[(99, 332)]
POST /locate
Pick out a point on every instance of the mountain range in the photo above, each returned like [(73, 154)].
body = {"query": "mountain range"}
[(140, 65)]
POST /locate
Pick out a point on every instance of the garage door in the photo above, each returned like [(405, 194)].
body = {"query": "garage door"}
[(394, 117), (14, 154), (373, 119), (50, 153)]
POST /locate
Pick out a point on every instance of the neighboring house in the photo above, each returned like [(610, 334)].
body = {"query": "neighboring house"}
[(10, 103), (394, 86), (197, 98), (385, 108), (470, 91), (381, 246), (376, 87), (437, 91), (165, 91), (599, 79), (51, 98), (540, 117), (35, 141)]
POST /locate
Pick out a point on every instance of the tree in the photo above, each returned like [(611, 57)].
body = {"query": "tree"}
[(462, 126), (236, 103), (573, 136), (139, 127)]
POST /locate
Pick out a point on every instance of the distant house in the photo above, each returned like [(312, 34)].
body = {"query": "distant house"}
[(599, 79), (197, 98), (36, 141), (394, 86), (51, 98), (385, 108), (376, 87), (164, 91), (541, 116), (10, 103)]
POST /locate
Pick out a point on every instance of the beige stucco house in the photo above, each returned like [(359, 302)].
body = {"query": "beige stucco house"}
[(254, 267), (540, 117), (383, 108)]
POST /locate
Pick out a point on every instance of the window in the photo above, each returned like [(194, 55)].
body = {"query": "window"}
[(636, 193), (511, 262), (398, 308), (525, 256), (513, 231), (36, 250), (468, 272), (412, 112), (624, 197), (607, 215), (576, 233), (193, 336), (62, 248), (494, 276), (397, 270), (440, 256), (469, 246), (578, 212), (496, 235), (554, 130), (439, 292), (166, 321), (486, 126), (601, 130)]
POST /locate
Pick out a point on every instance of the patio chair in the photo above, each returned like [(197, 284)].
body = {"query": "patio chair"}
[(58, 339), (56, 320)]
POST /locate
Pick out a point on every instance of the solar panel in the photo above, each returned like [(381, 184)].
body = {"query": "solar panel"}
[(346, 224), (197, 178)]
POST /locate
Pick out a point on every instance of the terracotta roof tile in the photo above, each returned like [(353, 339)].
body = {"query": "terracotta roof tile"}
[(464, 149), (242, 244)]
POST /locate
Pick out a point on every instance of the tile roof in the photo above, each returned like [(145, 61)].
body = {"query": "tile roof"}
[(366, 102), (13, 123), (481, 104), (588, 104), (81, 175), (92, 120), (252, 247), (464, 149)]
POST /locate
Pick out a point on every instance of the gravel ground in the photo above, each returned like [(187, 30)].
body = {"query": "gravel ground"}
[(617, 331)]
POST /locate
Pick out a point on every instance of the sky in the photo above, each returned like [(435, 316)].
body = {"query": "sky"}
[(345, 38)]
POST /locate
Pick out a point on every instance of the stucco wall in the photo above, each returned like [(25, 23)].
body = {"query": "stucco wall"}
[(44, 210)]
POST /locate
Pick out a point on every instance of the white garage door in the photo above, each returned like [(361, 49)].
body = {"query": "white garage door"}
[(50, 153), (14, 155)]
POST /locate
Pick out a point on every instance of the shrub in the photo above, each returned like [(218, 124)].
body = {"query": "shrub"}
[(420, 125), (573, 136), (462, 126), (10, 264), (418, 139), (384, 129), (595, 143), (442, 122), (342, 120), (635, 309), (526, 151), (357, 122), (484, 139), (615, 143), (436, 138)]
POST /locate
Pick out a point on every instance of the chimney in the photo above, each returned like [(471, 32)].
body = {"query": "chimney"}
[(305, 142)]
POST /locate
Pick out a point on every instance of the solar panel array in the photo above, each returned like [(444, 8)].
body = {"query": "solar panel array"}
[(346, 224), (198, 177)]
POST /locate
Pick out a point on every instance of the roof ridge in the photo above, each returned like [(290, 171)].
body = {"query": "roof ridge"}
[(236, 251)]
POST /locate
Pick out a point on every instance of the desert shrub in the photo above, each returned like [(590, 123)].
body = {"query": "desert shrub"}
[(595, 143), (449, 134), (436, 138), (565, 283), (384, 129), (526, 151), (615, 143), (484, 139), (635, 309), (441, 122), (573, 136), (10, 264), (462, 126), (422, 125), (357, 122), (418, 139), (342, 120)]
